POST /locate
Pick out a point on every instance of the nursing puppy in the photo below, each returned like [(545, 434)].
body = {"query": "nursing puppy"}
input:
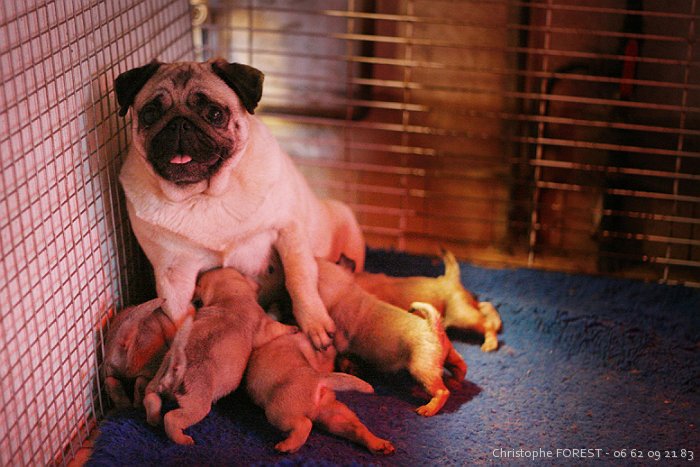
[(134, 348), (388, 337), (207, 185), (296, 387), (458, 307), (209, 353)]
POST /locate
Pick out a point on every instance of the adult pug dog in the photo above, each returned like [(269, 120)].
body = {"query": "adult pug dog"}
[(207, 185)]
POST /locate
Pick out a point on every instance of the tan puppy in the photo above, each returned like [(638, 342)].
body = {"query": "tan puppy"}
[(209, 354), (134, 348), (207, 185), (457, 306), (388, 337), (295, 386)]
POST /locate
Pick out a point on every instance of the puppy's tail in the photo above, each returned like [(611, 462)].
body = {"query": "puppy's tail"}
[(451, 267), (452, 275), (430, 314), (345, 382)]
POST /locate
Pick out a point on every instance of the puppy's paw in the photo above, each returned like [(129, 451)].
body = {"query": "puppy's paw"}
[(490, 342), (425, 411), (493, 319), (152, 403), (176, 434), (435, 404), (382, 447), (287, 447), (184, 439), (297, 436)]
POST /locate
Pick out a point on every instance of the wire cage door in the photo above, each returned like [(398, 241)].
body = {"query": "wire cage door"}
[(68, 258)]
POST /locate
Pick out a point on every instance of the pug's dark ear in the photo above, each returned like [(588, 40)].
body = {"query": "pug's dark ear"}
[(245, 80), (129, 83)]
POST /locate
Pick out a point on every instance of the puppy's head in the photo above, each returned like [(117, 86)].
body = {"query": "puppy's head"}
[(333, 279), (137, 337), (219, 285), (189, 119)]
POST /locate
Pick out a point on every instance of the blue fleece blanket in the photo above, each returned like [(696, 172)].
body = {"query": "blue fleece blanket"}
[(589, 368)]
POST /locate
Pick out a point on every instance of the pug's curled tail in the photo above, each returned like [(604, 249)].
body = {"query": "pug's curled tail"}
[(430, 314)]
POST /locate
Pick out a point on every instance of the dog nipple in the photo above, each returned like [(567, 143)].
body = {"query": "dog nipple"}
[(180, 159)]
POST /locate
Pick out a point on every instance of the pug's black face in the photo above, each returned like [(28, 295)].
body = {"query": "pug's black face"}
[(188, 142), (190, 118)]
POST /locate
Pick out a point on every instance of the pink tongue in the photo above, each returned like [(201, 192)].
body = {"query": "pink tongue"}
[(180, 159)]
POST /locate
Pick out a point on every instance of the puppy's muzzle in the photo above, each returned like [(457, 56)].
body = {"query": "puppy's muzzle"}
[(183, 153)]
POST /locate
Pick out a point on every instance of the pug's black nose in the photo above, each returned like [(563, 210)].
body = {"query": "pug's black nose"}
[(179, 124)]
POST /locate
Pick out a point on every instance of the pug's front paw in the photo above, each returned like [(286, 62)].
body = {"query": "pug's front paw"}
[(318, 326)]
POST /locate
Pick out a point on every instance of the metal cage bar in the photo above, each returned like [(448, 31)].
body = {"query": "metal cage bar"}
[(544, 133)]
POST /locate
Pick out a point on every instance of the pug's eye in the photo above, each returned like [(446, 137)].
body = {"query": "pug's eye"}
[(215, 115), (149, 115)]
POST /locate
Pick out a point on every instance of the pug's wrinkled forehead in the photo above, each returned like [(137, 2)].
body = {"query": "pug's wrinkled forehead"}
[(177, 80), (185, 89), (178, 83)]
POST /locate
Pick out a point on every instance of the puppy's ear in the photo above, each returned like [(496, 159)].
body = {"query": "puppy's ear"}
[(245, 80), (129, 83)]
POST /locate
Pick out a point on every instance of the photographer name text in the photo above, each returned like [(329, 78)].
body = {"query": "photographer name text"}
[(594, 453)]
